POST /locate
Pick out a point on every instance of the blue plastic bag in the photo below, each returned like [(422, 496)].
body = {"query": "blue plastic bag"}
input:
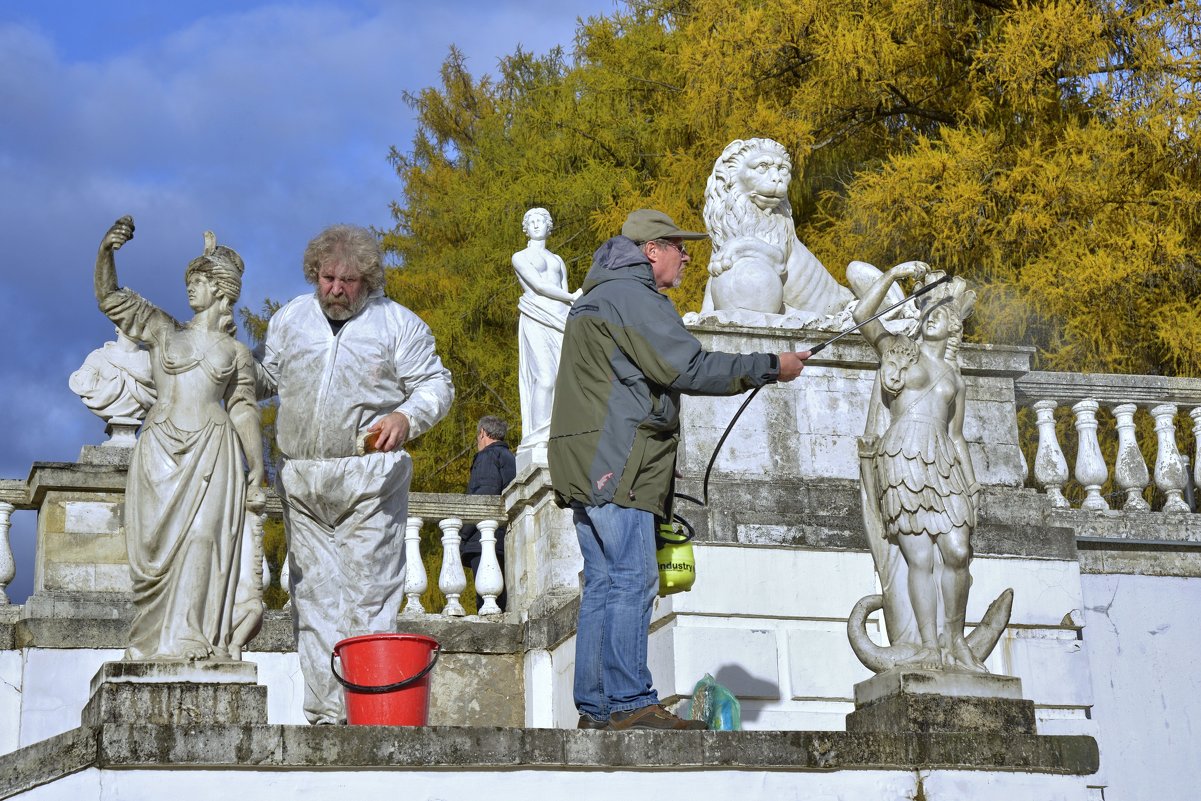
[(716, 705)]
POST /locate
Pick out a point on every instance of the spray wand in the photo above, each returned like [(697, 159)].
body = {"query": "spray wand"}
[(814, 350)]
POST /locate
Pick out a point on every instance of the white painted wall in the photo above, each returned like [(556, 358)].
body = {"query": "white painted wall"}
[(1144, 643), (578, 785)]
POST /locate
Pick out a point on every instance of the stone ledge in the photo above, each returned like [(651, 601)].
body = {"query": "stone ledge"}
[(828, 514), (48, 760), (307, 747), (351, 748), (456, 636)]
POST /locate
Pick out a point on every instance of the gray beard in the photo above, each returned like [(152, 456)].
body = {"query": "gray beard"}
[(338, 311)]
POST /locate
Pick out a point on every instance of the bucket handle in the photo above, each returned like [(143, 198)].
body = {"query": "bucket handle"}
[(385, 688)]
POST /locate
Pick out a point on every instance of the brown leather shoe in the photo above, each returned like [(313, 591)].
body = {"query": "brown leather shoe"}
[(589, 722), (654, 716)]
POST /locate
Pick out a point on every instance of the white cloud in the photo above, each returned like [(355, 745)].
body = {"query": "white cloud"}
[(262, 123)]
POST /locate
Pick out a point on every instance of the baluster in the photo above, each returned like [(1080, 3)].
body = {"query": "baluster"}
[(416, 581), (452, 580), (1050, 468), (1169, 469), (1196, 415), (1130, 469), (489, 581), (1091, 470), (8, 567)]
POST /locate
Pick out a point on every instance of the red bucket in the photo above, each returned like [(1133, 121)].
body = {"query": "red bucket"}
[(386, 678)]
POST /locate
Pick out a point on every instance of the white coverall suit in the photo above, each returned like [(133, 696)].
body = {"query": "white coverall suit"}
[(345, 514)]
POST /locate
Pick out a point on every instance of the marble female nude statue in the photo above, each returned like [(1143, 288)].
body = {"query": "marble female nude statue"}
[(543, 306), (920, 493), (187, 492)]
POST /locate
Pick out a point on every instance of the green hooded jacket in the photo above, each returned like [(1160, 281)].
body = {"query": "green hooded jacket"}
[(626, 359)]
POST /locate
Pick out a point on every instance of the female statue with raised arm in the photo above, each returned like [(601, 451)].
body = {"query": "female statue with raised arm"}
[(920, 492), (187, 491), (543, 306)]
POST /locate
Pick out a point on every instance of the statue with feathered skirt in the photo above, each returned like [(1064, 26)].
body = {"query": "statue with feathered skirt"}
[(919, 490)]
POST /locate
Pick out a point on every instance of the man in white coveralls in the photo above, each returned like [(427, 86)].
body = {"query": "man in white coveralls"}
[(357, 377)]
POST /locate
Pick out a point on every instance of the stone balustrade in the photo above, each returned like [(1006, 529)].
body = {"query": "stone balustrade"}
[(450, 511), (1120, 397)]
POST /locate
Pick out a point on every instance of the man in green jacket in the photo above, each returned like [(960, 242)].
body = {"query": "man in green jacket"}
[(614, 429)]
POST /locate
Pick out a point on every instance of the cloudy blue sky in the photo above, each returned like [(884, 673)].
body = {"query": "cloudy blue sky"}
[(261, 121)]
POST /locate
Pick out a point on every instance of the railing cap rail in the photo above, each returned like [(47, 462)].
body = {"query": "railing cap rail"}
[(1107, 388)]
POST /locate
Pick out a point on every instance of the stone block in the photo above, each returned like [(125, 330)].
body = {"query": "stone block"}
[(821, 664), (911, 681), (799, 716), (1045, 591), (92, 517), (743, 659), (477, 690), (169, 703), (153, 673), (1053, 665), (543, 559), (74, 547), (936, 701), (733, 580), (932, 714)]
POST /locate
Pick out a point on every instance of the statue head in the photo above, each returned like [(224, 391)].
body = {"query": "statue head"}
[(215, 278), (747, 192), (344, 263), (537, 223), (944, 308)]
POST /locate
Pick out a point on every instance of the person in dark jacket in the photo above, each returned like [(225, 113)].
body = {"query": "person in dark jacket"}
[(615, 426), (491, 471)]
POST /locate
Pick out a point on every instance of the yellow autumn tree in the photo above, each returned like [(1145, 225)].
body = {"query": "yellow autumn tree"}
[(1045, 150)]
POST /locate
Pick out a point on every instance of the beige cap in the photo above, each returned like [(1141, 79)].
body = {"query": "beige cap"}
[(644, 225)]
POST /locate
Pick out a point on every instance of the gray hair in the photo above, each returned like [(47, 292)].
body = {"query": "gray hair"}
[(351, 246), (494, 427)]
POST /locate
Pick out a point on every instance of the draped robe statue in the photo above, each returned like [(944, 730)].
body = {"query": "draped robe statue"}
[(187, 492), (543, 307)]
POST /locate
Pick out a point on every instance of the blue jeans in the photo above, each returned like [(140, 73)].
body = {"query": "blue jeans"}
[(621, 579)]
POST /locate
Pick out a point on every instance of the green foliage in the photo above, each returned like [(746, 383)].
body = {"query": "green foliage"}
[(275, 548)]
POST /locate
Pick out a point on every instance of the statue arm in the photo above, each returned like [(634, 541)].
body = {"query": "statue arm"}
[(955, 431), (106, 266), (137, 318), (244, 414), (530, 279), (873, 297)]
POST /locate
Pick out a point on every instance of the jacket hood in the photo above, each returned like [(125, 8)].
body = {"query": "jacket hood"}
[(619, 259)]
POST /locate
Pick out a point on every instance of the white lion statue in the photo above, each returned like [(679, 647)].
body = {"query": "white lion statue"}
[(758, 264)]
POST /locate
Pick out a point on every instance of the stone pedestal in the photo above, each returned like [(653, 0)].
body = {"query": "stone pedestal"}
[(905, 701), (529, 458), (176, 693), (81, 532), (540, 545)]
